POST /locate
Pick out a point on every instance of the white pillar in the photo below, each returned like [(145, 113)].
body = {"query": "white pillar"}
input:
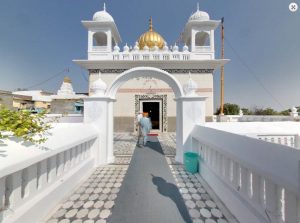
[(98, 111), (190, 111)]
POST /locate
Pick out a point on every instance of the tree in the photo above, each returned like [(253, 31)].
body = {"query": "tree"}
[(266, 111), (246, 111), (230, 109), (23, 124)]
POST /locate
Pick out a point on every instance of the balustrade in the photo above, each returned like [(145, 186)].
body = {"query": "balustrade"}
[(32, 178), (264, 194)]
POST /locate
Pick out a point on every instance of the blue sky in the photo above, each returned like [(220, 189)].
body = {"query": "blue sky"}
[(39, 38)]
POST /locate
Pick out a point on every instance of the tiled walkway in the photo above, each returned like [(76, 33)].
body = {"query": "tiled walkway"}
[(94, 200)]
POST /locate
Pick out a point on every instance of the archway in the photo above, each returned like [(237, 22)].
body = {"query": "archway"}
[(136, 74), (145, 72), (98, 110)]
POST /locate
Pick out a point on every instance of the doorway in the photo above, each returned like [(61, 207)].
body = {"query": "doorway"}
[(153, 108)]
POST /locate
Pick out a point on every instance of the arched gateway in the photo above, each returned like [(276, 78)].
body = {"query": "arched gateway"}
[(98, 111)]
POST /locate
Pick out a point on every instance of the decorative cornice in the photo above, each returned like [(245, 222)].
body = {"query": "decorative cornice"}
[(157, 90), (171, 71)]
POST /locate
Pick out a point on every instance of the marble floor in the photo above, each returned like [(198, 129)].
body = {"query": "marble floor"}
[(94, 199)]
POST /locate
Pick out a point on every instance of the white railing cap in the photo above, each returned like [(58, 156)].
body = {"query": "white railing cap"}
[(278, 163), (16, 155)]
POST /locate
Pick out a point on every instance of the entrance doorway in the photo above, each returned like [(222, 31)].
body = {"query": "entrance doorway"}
[(153, 108)]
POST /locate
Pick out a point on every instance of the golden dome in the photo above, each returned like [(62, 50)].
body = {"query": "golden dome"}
[(151, 38), (67, 80)]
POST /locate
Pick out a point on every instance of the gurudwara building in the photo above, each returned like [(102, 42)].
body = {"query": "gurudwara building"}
[(192, 64)]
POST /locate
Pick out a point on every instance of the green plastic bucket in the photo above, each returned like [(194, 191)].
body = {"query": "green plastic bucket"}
[(191, 162)]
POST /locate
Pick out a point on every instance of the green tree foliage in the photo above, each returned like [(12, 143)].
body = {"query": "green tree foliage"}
[(266, 111), (230, 109), (246, 111), (23, 124)]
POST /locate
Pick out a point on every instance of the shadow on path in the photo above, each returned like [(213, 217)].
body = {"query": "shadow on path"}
[(154, 146), (171, 191)]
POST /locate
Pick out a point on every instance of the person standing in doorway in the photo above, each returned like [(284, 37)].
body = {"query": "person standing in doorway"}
[(139, 128), (146, 126)]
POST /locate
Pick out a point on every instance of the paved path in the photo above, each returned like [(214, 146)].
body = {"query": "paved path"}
[(149, 192), (103, 196)]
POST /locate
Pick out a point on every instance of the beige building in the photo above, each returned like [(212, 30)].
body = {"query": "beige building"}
[(194, 60), (66, 101)]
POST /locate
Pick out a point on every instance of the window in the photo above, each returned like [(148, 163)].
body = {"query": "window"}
[(100, 39), (202, 39)]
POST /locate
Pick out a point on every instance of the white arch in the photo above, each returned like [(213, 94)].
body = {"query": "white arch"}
[(145, 72)]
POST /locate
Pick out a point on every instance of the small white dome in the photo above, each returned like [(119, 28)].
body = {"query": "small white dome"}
[(146, 48), (98, 88), (190, 87), (175, 48), (155, 48), (116, 48), (103, 16), (136, 46), (165, 48), (126, 48), (185, 48), (199, 15)]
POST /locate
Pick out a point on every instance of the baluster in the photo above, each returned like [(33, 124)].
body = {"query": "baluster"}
[(257, 189), (213, 158), (81, 152), (42, 174), (292, 207), (60, 163), (227, 169), (73, 156), (245, 179), (51, 169), (2, 196), (204, 151), (236, 175), (67, 160), (220, 161), (13, 189), (273, 201), (86, 150), (77, 154), (31, 180), (208, 156)]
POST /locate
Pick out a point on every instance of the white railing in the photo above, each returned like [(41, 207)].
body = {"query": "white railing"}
[(144, 55), (30, 186), (258, 181), (60, 118), (203, 48), (283, 139), (99, 48)]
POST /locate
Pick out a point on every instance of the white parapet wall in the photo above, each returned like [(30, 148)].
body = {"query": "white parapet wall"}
[(33, 179), (62, 118), (258, 181)]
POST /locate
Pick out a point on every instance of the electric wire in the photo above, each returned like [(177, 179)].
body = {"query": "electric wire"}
[(65, 70), (253, 73)]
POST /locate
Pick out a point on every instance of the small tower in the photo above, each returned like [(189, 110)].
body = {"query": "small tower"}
[(66, 88), (198, 33), (103, 34)]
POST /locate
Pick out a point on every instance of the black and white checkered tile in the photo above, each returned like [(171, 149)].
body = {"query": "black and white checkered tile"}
[(93, 200)]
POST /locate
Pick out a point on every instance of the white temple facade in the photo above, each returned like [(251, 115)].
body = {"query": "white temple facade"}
[(192, 61)]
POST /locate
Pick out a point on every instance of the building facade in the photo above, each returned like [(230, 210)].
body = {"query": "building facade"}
[(195, 60)]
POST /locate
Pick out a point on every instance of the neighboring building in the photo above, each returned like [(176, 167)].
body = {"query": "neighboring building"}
[(66, 101), (35, 99), (6, 99), (195, 59)]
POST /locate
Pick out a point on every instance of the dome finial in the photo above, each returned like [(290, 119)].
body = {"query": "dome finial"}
[(198, 6), (104, 7), (150, 24)]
